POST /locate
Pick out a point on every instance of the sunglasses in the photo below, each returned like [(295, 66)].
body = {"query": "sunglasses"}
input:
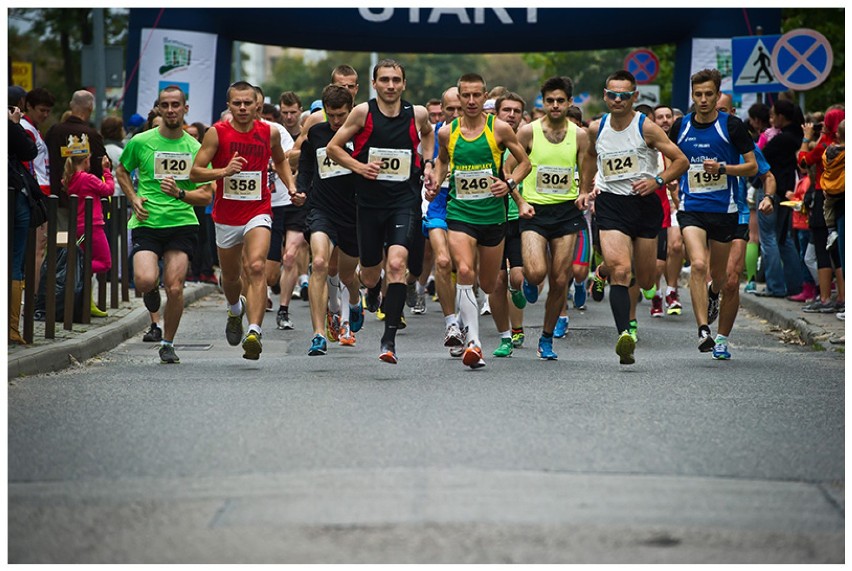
[(623, 95)]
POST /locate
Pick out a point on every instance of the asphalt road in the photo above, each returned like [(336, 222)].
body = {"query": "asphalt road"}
[(342, 458)]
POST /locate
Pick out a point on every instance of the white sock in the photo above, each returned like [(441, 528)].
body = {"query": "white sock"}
[(303, 279), (344, 307), (468, 310), (670, 289), (721, 338), (333, 294), (256, 328), (450, 319), (237, 308), (421, 289), (506, 334)]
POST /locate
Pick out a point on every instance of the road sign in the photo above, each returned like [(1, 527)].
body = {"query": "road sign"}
[(22, 74), (649, 95), (802, 59), (643, 64), (752, 58)]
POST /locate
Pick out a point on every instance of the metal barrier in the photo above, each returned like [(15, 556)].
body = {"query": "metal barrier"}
[(116, 280)]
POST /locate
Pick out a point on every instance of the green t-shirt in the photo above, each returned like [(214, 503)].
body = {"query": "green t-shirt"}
[(173, 156)]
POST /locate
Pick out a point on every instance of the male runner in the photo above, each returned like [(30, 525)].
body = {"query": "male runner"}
[(331, 221), (471, 152), (239, 150), (628, 212), (713, 142), (386, 132), (163, 223), (557, 149)]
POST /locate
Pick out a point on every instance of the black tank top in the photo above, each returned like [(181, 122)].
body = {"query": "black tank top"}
[(384, 132)]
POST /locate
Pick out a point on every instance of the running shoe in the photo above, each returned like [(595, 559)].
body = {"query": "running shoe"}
[(430, 286), (332, 325), (673, 306), (841, 315), (402, 323), (712, 307), (530, 292), (252, 347), (234, 326), (420, 305), (720, 352), (598, 285), (168, 355), (374, 298), (152, 300), (657, 306), (472, 356), (518, 298), (303, 291), (649, 293), (380, 315), (319, 346), (750, 287), (388, 354), (633, 329), (832, 238), (153, 335), (486, 308), (545, 349), (282, 320), (269, 305), (705, 341), (456, 351), (624, 348), (580, 295), (561, 327), (518, 340), (356, 317), (454, 336), (410, 295), (505, 348), (347, 338), (820, 306)]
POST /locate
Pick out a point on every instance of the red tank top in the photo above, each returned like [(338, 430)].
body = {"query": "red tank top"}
[(241, 197)]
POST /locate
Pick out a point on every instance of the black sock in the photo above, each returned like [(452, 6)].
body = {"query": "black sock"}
[(284, 308), (619, 301), (394, 302), (547, 334), (276, 289), (711, 293)]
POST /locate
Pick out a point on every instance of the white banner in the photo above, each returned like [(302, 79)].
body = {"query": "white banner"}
[(185, 59), (713, 53)]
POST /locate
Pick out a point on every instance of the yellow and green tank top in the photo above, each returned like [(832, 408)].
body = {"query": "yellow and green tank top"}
[(552, 179), (472, 164)]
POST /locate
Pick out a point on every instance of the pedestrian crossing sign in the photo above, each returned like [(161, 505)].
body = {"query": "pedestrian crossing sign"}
[(752, 65)]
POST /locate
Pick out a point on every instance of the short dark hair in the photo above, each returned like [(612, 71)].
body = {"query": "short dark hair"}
[(40, 96), (471, 78), (388, 62), (270, 109), (509, 96), (575, 113), (561, 82), (343, 69), (433, 101), (663, 106), (290, 98), (238, 86), (172, 88), (645, 109), (335, 97), (621, 75), (759, 111), (706, 75)]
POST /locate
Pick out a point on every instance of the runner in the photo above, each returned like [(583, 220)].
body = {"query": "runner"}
[(713, 142), (239, 150), (386, 132), (163, 224), (471, 149), (628, 212)]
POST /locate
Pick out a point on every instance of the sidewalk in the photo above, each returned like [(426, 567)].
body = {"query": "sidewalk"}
[(818, 330), (84, 341)]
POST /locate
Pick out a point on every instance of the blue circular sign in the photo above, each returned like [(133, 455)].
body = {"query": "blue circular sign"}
[(643, 64)]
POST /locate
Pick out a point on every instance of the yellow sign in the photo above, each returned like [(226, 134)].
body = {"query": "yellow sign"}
[(22, 74)]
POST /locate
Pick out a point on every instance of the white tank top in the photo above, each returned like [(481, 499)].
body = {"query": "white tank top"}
[(623, 156), (279, 194)]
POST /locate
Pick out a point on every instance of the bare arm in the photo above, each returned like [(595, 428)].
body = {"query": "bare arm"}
[(209, 146), (438, 173), (676, 162), (336, 151), (280, 162), (136, 201), (589, 167)]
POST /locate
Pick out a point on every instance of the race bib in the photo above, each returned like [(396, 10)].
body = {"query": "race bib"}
[(701, 181), (243, 186), (473, 185), (396, 163), (175, 165), (327, 168), (619, 165), (554, 180)]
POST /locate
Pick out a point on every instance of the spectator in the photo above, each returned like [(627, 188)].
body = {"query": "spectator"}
[(758, 119), (197, 130), (828, 262), (78, 180), (781, 261), (112, 130), (834, 185), (802, 234), (21, 148)]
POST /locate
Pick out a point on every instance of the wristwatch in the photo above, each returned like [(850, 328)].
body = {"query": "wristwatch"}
[(510, 182), (659, 180), (723, 169), (181, 194)]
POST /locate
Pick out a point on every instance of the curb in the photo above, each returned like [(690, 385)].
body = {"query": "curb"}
[(63, 354), (810, 334)]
